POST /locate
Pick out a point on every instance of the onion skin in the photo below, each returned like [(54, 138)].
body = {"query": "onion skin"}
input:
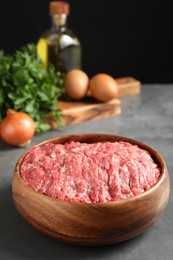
[(17, 128)]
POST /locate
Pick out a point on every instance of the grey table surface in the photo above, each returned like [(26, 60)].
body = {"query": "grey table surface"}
[(147, 117)]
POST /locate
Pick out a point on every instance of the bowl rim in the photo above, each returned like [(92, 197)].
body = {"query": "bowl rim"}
[(157, 159)]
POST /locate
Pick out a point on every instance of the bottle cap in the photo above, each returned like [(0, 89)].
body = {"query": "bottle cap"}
[(59, 7)]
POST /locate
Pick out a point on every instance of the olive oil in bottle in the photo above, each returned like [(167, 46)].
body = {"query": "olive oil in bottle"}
[(59, 45)]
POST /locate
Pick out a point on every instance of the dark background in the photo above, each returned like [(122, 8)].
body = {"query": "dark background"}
[(120, 38)]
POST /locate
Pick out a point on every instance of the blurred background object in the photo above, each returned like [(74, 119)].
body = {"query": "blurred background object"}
[(59, 45), (120, 38)]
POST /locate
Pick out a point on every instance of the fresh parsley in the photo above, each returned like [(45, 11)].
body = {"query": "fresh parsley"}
[(27, 85)]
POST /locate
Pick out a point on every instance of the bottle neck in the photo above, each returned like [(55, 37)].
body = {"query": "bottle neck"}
[(59, 22)]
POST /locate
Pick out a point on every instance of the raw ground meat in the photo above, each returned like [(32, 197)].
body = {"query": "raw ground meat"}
[(89, 173)]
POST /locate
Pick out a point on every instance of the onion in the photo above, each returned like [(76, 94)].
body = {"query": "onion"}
[(17, 128)]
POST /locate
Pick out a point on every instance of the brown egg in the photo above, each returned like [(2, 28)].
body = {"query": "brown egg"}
[(76, 84), (103, 87)]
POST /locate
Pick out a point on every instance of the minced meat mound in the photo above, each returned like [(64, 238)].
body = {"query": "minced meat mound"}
[(89, 173)]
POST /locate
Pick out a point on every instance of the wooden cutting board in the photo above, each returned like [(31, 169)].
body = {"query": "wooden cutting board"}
[(128, 86), (89, 109)]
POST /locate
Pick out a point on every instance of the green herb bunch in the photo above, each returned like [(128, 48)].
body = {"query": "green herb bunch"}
[(27, 85)]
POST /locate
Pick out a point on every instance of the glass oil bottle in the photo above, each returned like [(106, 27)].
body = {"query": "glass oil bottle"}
[(59, 45)]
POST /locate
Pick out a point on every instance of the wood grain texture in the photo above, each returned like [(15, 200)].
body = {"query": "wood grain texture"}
[(92, 223), (128, 86), (82, 111)]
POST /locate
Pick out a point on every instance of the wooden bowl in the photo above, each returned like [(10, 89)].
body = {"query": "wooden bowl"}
[(92, 223)]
